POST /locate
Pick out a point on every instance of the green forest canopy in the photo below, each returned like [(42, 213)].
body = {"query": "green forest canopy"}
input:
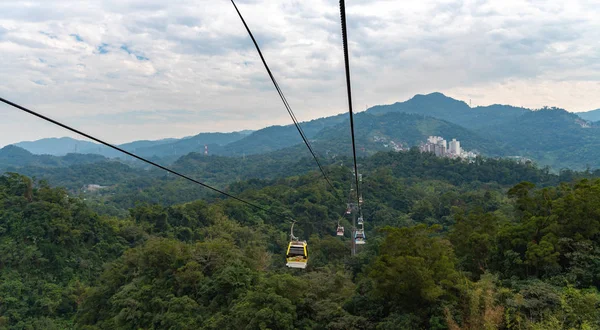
[(451, 245)]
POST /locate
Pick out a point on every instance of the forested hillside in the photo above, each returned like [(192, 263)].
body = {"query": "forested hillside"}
[(549, 136), (55, 146), (123, 186), (157, 148), (440, 106), (451, 245), (592, 115), (374, 133), (13, 157)]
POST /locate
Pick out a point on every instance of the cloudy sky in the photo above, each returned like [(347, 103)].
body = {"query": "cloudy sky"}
[(148, 69)]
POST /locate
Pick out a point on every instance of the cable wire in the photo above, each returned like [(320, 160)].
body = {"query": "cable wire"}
[(347, 64), (140, 158), (283, 99)]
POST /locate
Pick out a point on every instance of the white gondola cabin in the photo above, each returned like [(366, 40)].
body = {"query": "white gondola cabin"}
[(360, 220), (340, 231), (297, 254), (359, 237)]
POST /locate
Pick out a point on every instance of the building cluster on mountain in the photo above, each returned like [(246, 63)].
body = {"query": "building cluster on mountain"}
[(441, 148), (92, 187), (396, 146), (520, 159)]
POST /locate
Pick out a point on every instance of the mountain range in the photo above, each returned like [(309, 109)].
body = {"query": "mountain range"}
[(549, 136), (593, 115), (12, 157), (439, 106)]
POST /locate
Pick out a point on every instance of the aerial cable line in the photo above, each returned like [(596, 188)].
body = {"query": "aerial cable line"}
[(284, 100), (141, 158), (347, 65)]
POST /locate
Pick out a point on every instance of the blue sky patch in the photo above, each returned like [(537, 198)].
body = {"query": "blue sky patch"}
[(49, 35), (130, 52), (77, 37), (102, 48), (39, 82)]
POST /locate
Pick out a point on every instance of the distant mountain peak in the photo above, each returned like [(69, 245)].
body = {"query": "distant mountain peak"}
[(437, 97), (14, 150), (434, 94), (554, 112), (64, 138), (55, 146)]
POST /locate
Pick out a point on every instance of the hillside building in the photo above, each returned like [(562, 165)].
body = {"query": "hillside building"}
[(436, 145), (454, 148), (92, 187), (441, 148)]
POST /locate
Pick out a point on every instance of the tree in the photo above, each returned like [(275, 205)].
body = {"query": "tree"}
[(415, 269), (474, 237)]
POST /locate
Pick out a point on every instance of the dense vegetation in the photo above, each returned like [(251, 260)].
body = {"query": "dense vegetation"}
[(125, 186), (451, 245)]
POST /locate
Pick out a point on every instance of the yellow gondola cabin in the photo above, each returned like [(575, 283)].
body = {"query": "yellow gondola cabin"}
[(297, 255)]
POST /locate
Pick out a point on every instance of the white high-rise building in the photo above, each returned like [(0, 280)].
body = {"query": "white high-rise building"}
[(443, 148), (434, 139), (440, 149), (455, 147)]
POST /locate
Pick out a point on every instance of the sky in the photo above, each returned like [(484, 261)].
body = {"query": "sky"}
[(128, 70)]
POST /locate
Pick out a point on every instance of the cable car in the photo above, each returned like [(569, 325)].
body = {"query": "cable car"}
[(360, 200), (360, 220), (359, 236), (297, 255), (340, 230), (348, 209)]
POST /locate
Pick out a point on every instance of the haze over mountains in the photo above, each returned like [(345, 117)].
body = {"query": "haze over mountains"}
[(550, 136)]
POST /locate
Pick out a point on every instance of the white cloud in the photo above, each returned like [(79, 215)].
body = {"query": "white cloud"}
[(92, 62)]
